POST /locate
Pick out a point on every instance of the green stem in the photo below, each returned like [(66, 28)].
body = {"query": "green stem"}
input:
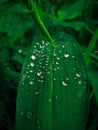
[(90, 47), (31, 5)]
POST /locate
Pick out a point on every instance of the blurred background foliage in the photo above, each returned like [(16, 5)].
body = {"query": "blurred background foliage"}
[(17, 31)]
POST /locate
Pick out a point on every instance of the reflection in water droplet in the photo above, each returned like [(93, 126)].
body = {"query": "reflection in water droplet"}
[(66, 55), (32, 64), (64, 84), (29, 115), (33, 57)]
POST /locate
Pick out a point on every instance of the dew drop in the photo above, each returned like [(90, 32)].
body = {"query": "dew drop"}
[(31, 71), (58, 58), (67, 78), (37, 93), (78, 75), (63, 46), (39, 73), (64, 84), (66, 55), (80, 82), (31, 82), (29, 115), (50, 100), (32, 64), (73, 56), (20, 51), (56, 97), (33, 57), (57, 63)]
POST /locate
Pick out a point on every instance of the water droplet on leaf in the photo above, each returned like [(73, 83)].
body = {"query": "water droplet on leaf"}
[(29, 115)]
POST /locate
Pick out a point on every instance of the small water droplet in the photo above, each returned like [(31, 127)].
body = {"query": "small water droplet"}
[(80, 82), (56, 97), (66, 55), (39, 73), (37, 93), (32, 64), (78, 75), (63, 46), (58, 58), (33, 57), (37, 43), (31, 71), (50, 100), (64, 84), (67, 78), (73, 56), (31, 82), (29, 115), (57, 63), (20, 51)]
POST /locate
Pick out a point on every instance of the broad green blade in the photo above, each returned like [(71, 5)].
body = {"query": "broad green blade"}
[(53, 91)]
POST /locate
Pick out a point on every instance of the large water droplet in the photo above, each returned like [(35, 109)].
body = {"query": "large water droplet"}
[(29, 115)]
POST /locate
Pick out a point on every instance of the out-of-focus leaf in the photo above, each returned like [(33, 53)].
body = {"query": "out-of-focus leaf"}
[(18, 58), (93, 76), (71, 12), (94, 123)]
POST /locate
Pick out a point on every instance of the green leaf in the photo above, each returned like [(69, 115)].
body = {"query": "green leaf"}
[(53, 90), (71, 12)]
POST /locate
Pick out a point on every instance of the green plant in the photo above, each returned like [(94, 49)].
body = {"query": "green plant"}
[(54, 84), (18, 30)]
